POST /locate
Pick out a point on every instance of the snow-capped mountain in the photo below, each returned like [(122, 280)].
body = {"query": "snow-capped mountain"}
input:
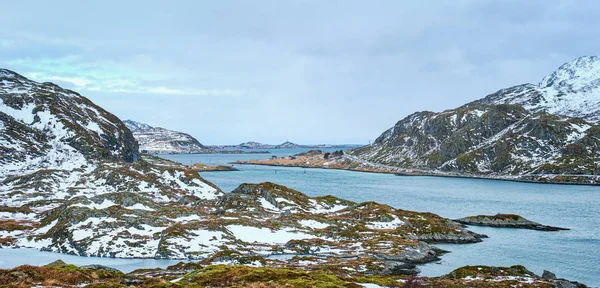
[(158, 140), (544, 132), (572, 90), (284, 145), (135, 126)]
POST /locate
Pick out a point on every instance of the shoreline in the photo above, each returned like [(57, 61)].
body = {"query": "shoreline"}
[(420, 173)]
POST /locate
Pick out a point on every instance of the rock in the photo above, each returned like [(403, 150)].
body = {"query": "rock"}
[(57, 263), (562, 283), (506, 221), (547, 275), (399, 268), (100, 267)]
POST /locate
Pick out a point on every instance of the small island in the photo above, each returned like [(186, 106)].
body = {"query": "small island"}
[(324, 160), (199, 167), (506, 221)]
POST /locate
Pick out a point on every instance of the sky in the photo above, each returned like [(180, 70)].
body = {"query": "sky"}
[(309, 72)]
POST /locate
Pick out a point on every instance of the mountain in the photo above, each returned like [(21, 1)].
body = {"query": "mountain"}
[(572, 90), (253, 145), (136, 126), (284, 145), (528, 132), (287, 145), (156, 140)]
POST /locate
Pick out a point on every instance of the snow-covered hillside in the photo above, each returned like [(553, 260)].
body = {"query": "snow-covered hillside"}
[(543, 132), (158, 140), (45, 126), (135, 126), (572, 90), (58, 148)]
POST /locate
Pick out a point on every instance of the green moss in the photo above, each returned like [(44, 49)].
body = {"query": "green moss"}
[(435, 159), (467, 162), (243, 276), (489, 272)]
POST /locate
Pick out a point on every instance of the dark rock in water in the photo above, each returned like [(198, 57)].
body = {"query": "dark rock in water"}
[(100, 267), (562, 283), (547, 275), (506, 221)]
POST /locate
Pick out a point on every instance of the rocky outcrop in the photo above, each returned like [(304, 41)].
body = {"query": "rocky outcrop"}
[(518, 274), (506, 221)]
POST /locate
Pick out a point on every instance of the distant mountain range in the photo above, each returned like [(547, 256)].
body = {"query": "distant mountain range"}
[(538, 132), (156, 140), (284, 145)]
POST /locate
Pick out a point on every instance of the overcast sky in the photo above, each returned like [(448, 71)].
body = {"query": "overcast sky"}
[(305, 71)]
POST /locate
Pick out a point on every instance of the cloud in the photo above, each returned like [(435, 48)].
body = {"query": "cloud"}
[(271, 70)]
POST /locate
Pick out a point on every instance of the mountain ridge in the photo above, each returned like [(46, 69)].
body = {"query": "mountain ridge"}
[(571, 90), (158, 140), (284, 145)]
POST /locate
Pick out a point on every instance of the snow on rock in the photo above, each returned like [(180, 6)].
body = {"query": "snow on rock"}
[(572, 90), (158, 140), (265, 235)]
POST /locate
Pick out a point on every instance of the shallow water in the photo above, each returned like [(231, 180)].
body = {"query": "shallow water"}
[(573, 254)]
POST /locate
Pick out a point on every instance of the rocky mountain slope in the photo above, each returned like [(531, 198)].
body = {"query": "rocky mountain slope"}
[(521, 141), (45, 126), (59, 147), (158, 140)]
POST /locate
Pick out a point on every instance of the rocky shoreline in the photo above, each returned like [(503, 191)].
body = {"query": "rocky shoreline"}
[(506, 221), (351, 163)]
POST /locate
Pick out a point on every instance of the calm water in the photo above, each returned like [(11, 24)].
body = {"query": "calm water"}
[(573, 254), (214, 159)]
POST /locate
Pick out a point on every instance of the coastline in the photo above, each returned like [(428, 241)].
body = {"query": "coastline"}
[(415, 173)]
